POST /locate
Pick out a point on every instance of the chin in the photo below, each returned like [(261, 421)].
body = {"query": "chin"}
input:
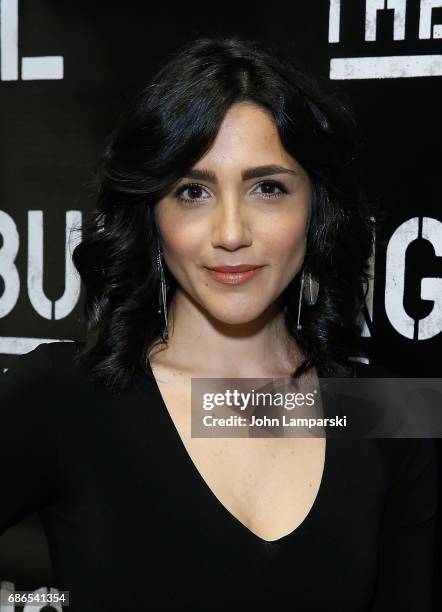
[(235, 317)]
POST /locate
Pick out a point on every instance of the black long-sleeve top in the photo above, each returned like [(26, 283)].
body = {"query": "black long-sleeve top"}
[(131, 524)]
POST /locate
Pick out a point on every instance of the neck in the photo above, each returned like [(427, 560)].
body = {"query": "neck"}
[(201, 345)]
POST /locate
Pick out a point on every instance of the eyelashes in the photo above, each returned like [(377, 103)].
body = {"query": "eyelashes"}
[(198, 189)]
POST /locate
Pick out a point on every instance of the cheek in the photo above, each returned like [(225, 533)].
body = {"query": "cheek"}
[(285, 248), (172, 234), (290, 249), (178, 245), (181, 241), (289, 234)]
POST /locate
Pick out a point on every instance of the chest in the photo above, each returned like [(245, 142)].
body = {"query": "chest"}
[(268, 484)]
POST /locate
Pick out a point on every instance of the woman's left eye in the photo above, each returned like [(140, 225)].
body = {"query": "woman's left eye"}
[(269, 189)]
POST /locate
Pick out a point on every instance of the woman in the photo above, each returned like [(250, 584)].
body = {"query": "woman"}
[(230, 157)]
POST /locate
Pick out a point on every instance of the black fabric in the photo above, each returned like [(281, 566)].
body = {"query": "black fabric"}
[(131, 524)]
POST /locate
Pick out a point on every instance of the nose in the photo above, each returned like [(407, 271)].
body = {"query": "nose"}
[(231, 224)]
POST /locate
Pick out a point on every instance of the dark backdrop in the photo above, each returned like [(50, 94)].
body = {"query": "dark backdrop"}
[(69, 68)]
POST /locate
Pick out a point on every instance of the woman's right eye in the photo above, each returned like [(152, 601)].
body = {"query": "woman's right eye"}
[(190, 193)]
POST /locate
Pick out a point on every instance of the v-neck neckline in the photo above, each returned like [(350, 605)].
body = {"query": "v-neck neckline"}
[(221, 508)]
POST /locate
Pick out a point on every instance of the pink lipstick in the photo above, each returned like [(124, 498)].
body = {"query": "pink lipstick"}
[(234, 275)]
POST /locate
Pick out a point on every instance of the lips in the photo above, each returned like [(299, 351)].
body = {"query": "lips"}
[(233, 269), (234, 275)]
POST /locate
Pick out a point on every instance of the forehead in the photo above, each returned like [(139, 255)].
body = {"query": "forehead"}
[(247, 133)]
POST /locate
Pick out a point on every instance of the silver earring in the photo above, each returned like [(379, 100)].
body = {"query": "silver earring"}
[(162, 295), (309, 291)]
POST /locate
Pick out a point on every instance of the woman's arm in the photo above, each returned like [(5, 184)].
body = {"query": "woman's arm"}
[(408, 536), (27, 436)]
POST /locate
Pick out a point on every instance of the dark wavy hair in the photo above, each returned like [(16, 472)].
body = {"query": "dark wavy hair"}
[(171, 123)]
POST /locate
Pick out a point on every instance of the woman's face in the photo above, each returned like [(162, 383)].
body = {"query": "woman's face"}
[(245, 202)]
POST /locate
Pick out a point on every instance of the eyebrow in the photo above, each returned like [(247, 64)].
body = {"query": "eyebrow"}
[(249, 173)]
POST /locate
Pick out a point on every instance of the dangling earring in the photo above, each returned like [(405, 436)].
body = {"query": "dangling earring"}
[(162, 295), (309, 291)]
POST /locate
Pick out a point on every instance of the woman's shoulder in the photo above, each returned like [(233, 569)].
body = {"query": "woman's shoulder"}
[(54, 353), (41, 366), (414, 463), (30, 389), (60, 353)]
